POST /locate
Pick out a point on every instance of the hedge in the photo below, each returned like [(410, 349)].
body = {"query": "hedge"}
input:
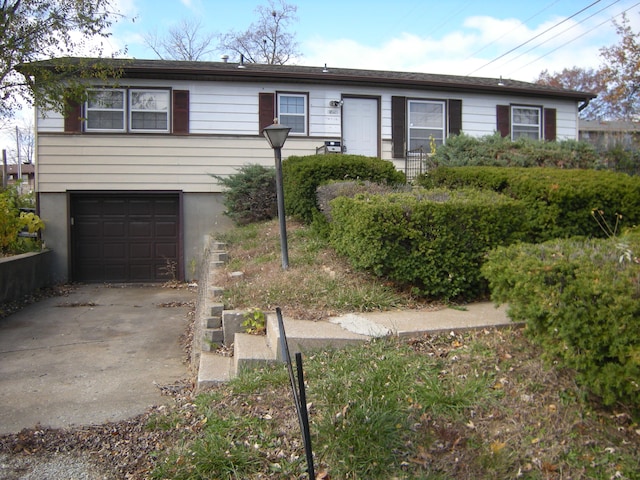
[(581, 301), (433, 241), (559, 201), (303, 175)]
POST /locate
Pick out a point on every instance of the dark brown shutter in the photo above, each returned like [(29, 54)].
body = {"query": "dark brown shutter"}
[(266, 110), (455, 117), (73, 117), (503, 121), (550, 124), (181, 112), (398, 126)]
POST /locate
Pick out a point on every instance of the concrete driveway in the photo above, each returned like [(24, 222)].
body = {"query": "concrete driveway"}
[(94, 356)]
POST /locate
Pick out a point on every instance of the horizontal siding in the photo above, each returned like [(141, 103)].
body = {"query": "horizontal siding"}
[(111, 162)]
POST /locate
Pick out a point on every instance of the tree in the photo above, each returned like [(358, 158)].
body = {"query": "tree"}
[(622, 71), (266, 40), (616, 82), (185, 41), (585, 80), (33, 30)]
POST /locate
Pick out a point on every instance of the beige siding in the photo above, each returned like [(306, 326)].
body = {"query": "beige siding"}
[(136, 162)]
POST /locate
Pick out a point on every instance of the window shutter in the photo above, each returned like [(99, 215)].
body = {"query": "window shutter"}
[(181, 112), (266, 110), (503, 122), (455, 117), (73, 117), (398, 126), (550, 124)]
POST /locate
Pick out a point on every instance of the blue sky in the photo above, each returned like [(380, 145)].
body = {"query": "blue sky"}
[(459, 37)]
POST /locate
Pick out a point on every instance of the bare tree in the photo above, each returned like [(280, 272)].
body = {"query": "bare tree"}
[(267, 40), (184, 41)]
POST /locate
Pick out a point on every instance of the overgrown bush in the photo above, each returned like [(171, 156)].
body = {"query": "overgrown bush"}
[(13, 222), (581, 302), (303, 175), (559, 201), (251, 194), (494, 150), (433, 241)]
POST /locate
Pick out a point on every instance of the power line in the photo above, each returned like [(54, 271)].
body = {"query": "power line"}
[(533, 38), (563, 32), (576, 38), (510, 31)]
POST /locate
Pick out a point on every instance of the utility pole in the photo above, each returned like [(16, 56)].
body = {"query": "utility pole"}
[(18, 152), (4, 169)]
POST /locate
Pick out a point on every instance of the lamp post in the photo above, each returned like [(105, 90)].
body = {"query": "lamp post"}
[(276, 135)]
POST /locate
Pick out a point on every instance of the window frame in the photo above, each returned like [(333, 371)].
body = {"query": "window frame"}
[(89, 109), (131, 110), (304, 115), (127, 111), (513, 125), (410, 127)]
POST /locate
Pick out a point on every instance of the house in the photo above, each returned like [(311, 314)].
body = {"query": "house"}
[(604, 134), (125, 181), (24, 173)]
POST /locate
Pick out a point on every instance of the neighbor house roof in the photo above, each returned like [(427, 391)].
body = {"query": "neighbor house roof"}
[(251, 72)]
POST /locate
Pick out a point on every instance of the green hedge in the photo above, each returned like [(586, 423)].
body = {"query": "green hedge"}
[(559, 201), (495, 150), (433, 241), (581, 302), (303, 175)]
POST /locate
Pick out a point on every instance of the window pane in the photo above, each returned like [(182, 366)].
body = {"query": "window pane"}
[(291, 104), (141, 100), (425, 114), (297, 123), (105, 120), (148, 121), (526, 116), (421, 138), (106, 99)]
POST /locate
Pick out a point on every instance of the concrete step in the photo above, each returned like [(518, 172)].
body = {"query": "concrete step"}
[(250, 351), (214, 369)]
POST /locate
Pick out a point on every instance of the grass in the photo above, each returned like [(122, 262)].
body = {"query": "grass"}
[(474, 405)]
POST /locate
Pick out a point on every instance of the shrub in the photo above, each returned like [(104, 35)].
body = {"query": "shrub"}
[(303, 175), (13, 222), (251, 194), (581, 302), (433, 241), (559, 201), (495, 150)]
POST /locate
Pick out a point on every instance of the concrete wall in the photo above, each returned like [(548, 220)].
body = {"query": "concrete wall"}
[(23, 274)]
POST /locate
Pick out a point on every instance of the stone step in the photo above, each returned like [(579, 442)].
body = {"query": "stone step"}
[(214, 369), (250, 351)]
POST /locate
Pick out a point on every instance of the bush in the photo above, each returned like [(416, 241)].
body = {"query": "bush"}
[(494, 150), (559, 201), (13, 222), (581, 302), (432, 241), (303, 175), (251, 194)]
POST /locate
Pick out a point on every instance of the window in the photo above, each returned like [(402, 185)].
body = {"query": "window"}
[(426, 122), (526, 123), (135, 110), (149, 110), (292, 112), (105, 110)]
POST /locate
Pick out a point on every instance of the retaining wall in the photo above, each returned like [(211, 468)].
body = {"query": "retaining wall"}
[(23, 274)]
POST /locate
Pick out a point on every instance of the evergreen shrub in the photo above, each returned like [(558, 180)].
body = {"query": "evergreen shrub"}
[(580, 299), (303, 175), (432, 241), (251, 194)]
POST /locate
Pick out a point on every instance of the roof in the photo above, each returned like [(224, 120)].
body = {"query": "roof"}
[(608, 126), (252, 72)]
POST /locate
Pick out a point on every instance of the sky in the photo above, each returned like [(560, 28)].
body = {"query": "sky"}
[(515, 39)]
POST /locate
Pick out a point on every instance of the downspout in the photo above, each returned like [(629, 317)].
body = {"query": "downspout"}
[(584, 105)]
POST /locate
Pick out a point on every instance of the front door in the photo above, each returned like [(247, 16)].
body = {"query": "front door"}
[(360, 131)]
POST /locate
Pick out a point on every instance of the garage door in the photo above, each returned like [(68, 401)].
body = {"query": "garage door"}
[(125, 237)]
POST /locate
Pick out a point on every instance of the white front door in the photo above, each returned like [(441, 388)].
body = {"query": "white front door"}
[(360, 126)]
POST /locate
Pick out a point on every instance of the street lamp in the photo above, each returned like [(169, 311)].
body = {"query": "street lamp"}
[(276, 135)]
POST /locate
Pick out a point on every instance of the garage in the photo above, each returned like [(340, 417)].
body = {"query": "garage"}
[(125, 237)]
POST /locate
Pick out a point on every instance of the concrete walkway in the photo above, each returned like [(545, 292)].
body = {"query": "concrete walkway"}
[(95, 356)]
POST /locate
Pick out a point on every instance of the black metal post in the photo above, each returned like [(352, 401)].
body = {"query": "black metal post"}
[(304, 414), (281, 214)]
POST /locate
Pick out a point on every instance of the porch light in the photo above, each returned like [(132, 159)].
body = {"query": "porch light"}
[(276, 135)]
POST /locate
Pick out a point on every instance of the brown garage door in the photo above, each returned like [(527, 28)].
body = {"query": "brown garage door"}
[(125, 237)]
